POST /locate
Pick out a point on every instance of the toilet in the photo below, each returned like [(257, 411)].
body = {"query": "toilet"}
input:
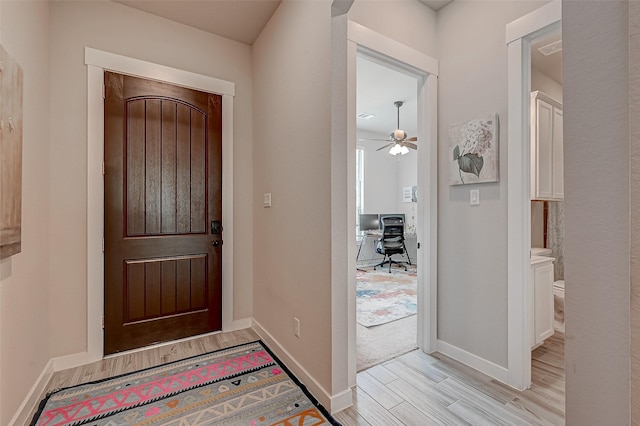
[(558, 305)]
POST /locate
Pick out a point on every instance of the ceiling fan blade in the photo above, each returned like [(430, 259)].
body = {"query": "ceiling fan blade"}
[(378, 140), (413, 139), (410, 145), (385, 146)]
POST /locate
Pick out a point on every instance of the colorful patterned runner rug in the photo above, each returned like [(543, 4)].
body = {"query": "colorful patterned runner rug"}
[(243, 385)]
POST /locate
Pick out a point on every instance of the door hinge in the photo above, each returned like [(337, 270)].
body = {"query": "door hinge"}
[(104, 91), (103, 244), (103, 321), (418, 245), (103, 168)]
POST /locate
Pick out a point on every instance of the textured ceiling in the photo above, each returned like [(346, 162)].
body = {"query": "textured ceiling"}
[(378, 87), (435, 4), (239, 20), (550, 65)]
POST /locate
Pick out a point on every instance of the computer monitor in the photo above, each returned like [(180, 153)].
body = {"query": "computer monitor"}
[(369, 222)]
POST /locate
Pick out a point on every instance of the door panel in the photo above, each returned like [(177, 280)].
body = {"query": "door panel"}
[(162, 188)]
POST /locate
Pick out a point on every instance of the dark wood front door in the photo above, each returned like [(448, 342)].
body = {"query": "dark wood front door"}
[(162, 201)]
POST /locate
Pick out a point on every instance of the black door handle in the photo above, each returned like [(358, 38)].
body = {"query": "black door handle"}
[(216, 243)]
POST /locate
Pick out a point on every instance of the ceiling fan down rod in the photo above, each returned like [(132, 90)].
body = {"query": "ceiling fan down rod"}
[(398, 104)]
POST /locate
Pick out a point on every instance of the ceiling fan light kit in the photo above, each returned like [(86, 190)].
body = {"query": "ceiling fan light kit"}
[(398, 149), (398, 140)]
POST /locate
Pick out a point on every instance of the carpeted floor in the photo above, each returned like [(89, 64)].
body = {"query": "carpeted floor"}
[(375, 345), (383, 296), (396, 333)]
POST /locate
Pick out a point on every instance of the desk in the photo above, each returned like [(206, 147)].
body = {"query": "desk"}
[(366, 249)]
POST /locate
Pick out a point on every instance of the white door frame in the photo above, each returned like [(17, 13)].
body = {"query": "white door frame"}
[(361, 40), (97, 62), (519, 36)]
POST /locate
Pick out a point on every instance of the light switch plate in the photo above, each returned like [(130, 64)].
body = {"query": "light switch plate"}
[(474, 197), (267, 199)]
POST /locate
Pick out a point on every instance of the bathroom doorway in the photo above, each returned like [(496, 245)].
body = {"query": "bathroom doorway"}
[(521, 34), (547, 192)]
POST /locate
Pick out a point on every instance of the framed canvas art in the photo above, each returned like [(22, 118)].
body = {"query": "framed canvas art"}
[(473, 151)]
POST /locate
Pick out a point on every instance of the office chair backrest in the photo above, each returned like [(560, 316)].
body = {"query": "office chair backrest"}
[(393, 227)]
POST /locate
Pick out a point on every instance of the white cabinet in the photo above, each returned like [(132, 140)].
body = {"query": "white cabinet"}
[(541, 296), (547, 170)]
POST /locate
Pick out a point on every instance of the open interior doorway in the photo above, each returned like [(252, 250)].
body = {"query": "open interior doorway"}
[(547, 211), (521, 34), (386, 188), (361, 40)]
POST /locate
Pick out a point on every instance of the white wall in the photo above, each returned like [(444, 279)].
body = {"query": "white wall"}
[(545, 84), (380, 177), (472, 241), (597, 205), (292, 160), (406, 21), (24, 278), (115, 28), (407, 177), (385, 176)]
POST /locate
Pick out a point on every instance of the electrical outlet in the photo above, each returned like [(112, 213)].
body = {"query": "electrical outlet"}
[(296, 327)]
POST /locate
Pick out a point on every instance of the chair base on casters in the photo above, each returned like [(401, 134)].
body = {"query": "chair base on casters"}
[(390, 261)]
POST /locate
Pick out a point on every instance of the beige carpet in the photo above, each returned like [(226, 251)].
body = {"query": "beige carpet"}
[(375, 345)]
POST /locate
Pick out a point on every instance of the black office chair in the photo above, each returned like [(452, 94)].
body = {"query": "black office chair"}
[(392, 241)]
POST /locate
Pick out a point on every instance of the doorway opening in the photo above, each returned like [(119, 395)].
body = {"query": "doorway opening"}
[(521, 35), (386, 193), (363, 41)]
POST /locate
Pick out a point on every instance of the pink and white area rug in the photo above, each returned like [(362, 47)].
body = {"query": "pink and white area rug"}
[(243, 385), (382, 297)]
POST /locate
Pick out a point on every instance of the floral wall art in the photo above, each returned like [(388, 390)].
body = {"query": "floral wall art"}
[(11, 77), (474, 151)]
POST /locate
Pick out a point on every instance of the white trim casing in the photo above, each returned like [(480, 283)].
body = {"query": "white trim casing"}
[(428, 214), (519, 35), (97, 62)]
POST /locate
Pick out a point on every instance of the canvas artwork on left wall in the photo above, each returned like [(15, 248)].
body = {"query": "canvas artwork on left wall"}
[(11, 80)]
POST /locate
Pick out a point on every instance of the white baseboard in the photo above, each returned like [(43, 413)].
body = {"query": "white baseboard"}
[(33, 397), (332, 403), (240, 324), (71, 361), (487, 367), (341, 401)]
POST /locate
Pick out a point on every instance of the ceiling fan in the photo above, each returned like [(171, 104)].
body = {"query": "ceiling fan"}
[(397, 140)]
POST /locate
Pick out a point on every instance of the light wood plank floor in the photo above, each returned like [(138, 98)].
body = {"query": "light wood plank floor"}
[(413, 389), (157, 355), (421, 389)]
